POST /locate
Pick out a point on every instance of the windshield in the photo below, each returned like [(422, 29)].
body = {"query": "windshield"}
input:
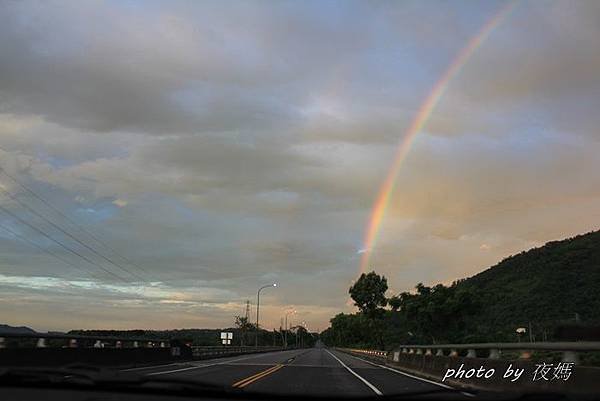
[(301, 198)]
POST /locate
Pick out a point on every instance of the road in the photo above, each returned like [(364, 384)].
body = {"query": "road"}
[(305, 372)]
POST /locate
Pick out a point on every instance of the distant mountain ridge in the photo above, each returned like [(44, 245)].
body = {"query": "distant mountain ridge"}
[(555, 283), (4, 328)]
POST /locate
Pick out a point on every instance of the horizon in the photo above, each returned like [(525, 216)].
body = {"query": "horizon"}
[(316, 330)]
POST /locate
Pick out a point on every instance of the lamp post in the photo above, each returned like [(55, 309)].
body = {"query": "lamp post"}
[(302, 334), (286, 325), (258, 307)]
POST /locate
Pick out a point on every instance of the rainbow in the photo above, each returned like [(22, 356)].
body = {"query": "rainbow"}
[(418, 123)]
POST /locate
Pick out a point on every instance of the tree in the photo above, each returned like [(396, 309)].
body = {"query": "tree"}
[(368, 293), (437, 313), (395, 303), (244, 326)]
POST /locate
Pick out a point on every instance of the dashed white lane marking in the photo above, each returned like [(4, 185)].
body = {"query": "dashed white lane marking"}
[(362, 379), (411, 376)]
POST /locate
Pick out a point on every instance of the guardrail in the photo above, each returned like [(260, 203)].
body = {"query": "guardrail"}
[(204, 352), (569, 350), (79, 341), (376, 353), (50, 349), (460, 365)]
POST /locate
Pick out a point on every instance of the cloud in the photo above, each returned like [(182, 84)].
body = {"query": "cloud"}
[(120, 202), (546, 81), (222, 147)]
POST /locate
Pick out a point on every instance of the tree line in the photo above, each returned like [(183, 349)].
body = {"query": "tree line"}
[(439, 314)]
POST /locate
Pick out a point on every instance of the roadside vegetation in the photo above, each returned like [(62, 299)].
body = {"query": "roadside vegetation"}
[(552, 291)]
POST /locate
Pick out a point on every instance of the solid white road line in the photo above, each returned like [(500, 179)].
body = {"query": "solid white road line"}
[(151, 366), (372, 387), (412, 376), (204, 366), (176, 370)]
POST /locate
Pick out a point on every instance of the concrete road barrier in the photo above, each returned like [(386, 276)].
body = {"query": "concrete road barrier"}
[(469, 372)]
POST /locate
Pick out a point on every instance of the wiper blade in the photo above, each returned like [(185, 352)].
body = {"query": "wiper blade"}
[(437, 391), (32, 375), (173, 382)]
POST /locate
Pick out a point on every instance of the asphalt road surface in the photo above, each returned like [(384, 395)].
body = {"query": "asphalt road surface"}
[(305, 372)]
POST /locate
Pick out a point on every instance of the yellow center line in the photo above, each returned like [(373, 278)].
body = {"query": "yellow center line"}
[(257, 376)]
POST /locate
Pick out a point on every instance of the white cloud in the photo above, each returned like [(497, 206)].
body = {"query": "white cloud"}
[(120, 202)]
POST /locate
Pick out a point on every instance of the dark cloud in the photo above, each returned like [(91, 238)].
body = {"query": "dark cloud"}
[(222, 147)]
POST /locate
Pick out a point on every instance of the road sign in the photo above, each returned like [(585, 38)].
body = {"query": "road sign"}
[(226, 337)]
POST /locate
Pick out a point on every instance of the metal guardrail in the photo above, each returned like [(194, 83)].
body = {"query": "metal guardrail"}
[(81, 341), (549, 346), (208, 351), (75, 341), (569, 350), (380, 354)]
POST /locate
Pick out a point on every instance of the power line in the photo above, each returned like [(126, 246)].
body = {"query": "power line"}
[(8, 212), (67, 218), (35, 245), (33, 211)]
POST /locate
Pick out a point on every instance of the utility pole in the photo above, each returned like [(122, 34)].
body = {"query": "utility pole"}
[(246, 324), (286, 326)]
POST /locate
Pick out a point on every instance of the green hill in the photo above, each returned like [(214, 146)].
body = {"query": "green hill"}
[(546, 286), (554, 287)]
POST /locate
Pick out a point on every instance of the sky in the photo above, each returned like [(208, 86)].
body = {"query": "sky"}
[(215, 147)]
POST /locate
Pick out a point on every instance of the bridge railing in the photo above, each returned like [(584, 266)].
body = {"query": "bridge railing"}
[(569, 350), (459, 365), (204, 352), (65, 340)]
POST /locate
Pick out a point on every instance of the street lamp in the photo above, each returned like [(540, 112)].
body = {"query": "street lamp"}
[(302, 334), (258, 306), (286, 324)]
